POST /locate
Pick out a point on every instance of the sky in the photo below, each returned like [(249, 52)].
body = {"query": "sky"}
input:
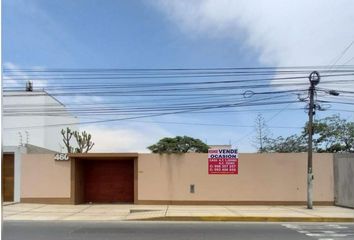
[(181, 34)]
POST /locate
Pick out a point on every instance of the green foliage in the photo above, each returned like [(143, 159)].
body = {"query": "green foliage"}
[(67, 135), (179, 144), (293, 143), (83, 141), (331, 134)]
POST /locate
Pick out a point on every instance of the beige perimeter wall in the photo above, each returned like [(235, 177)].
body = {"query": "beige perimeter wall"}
[(167, 178), (43, 177), (262, 177)]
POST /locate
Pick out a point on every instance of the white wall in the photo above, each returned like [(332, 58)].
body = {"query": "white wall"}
[(32, 128)]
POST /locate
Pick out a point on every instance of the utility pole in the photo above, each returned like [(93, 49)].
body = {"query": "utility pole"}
[(314, 80)]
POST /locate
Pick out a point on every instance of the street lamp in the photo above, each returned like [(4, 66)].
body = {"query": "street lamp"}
[(314, 79)]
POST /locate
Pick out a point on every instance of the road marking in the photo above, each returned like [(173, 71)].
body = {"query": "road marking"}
[(326, 235), (323, 231)]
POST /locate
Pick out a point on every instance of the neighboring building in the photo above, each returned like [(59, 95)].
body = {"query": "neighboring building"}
[(226, 146), (26, 116)]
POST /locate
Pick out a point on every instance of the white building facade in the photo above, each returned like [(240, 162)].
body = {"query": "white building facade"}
[(35, 118), (32, 118)]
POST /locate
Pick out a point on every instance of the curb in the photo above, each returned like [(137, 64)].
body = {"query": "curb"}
[(9, 203), (247, 219)]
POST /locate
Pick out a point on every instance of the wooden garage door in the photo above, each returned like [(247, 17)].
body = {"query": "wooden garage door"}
[(108, 181), (8, 177)]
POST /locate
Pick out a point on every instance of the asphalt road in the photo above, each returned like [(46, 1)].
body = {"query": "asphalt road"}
[(173, 230)]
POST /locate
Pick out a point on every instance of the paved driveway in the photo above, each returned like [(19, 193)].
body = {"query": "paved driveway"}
[(26, 211)]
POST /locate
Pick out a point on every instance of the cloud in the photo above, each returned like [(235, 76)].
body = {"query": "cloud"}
[(283, 33), (18, 79), (9, 80), (125, 138), (82, 99)]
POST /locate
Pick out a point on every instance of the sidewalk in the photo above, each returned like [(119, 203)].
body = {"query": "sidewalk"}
[(124, 212)]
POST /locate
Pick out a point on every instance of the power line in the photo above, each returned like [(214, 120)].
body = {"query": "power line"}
[(164, 69), (164, 113), (341, 55), (271, 118)]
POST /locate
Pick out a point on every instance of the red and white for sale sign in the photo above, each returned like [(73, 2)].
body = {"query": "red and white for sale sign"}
[(222, 161)]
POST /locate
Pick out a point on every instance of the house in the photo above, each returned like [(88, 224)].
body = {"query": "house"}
[(31, 119)]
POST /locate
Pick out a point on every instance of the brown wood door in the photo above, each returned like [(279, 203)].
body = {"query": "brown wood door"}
[(8, 173), (108, 181)]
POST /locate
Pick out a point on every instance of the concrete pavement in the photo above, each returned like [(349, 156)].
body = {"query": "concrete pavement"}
[(120, 212)]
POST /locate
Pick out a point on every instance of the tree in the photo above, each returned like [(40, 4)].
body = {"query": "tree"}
[(331, 134), (179, 144), (262, 133), (67, 135), (83, 141), (293, 143)]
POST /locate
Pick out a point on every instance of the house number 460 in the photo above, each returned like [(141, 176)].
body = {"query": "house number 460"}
[(61, 157)]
